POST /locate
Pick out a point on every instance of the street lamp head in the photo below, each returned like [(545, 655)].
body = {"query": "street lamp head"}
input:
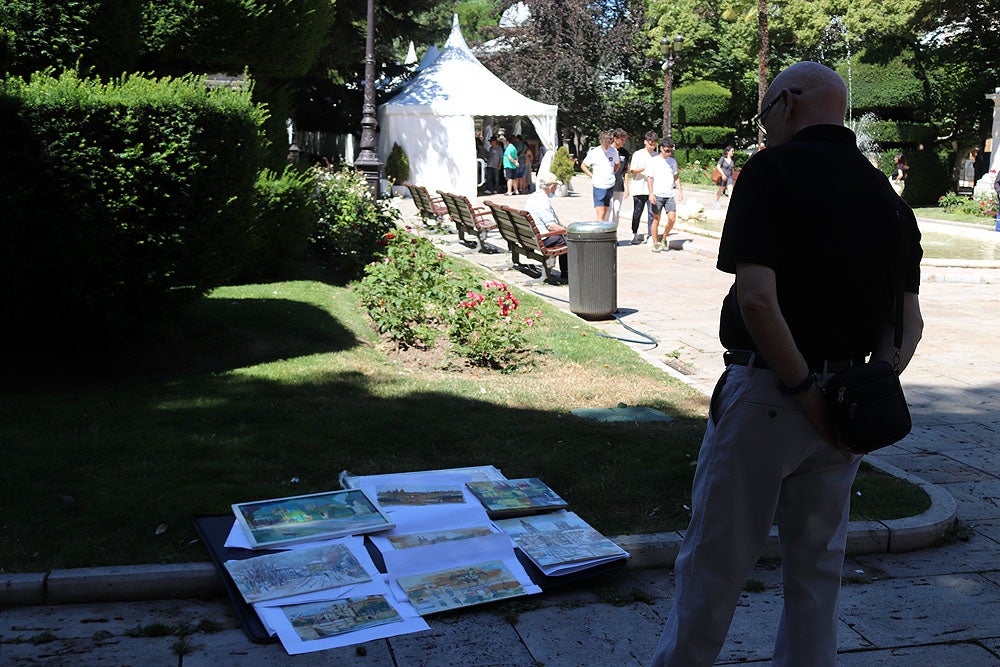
[(669, 46)]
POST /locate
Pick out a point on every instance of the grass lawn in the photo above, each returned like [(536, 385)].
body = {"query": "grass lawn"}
[(261, 391), (938, 213)]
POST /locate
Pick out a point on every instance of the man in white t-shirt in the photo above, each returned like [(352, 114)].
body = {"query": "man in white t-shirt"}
[(664, 192), (637, 184), (600, 164)]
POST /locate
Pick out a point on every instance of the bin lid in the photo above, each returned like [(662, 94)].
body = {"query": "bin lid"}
[(592, 227)]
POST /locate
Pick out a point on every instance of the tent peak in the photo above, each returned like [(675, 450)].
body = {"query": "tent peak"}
[(455, 39)]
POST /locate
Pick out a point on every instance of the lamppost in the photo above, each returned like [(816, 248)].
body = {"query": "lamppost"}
[(367, 161), (671, 50)]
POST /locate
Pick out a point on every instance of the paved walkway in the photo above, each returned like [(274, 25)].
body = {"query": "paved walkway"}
[(935, 606)]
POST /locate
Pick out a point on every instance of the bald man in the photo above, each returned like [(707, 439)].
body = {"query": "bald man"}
[(814, 235)]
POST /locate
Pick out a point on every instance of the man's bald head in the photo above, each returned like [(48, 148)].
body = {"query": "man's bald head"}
[(813, 94)]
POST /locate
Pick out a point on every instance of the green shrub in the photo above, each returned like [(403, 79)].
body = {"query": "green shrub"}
[(927, 178), (118, 197), (700, 103), (397, 166), (351, 223), (900, 133), (889, 90), (983, 205), (284, 217), (408, 291), (693, 161), (487, 329), (413, 294), (704, 135), (562, 165)]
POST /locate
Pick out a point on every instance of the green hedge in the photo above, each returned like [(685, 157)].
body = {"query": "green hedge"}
[(901, 133), (117, 197), (928, 177), (704, 135), (700, 103), (704, 158), (888, 90), (284, 219)]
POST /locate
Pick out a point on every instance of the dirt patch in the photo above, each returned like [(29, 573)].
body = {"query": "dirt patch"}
[(437, 358)]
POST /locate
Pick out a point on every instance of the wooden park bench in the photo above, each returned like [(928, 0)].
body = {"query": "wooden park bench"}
[(475, 220), (523, 238), (429, 208)]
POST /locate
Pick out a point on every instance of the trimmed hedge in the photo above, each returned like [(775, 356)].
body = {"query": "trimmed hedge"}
[(284, 219), (705, 156), (704, 135), (117, 197), (901, 133), (888, 90), (928, 177), (700, 103)]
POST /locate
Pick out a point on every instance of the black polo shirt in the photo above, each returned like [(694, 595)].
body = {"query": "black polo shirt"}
[(831, 227)]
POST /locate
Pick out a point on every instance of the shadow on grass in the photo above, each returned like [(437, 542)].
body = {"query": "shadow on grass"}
[(108, 466), (208, 336)]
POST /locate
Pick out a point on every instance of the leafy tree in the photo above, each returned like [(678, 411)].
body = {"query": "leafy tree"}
[(960, 55), (102, 35)]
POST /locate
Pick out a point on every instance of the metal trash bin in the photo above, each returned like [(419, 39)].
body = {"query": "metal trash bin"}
[(592, 257)]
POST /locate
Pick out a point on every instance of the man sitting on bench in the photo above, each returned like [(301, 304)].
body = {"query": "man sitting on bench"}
[(539, 205)]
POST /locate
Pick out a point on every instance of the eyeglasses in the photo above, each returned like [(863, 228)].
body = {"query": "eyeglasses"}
[(666, 150), (766, 109)]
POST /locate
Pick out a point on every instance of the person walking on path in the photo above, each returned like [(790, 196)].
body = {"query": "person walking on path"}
[(725, 165), (510, 165), (793, 316), (665, 190), (638, 187), (899, 170), (600, 164), (621, 190)]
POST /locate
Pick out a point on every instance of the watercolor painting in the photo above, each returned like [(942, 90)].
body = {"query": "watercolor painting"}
[(418, 495), (295, 572), (317, 516), (424, 539), (431, 592), (316, 620)]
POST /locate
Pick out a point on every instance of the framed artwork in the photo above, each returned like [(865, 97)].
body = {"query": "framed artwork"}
[(318, 516)]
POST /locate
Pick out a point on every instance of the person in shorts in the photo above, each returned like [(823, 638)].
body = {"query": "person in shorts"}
[(601, 164), (664, 189)]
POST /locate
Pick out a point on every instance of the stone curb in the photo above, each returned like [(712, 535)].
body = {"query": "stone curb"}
[(195, 580)]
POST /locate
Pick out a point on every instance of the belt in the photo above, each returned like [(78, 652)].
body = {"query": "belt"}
[(755, 360)]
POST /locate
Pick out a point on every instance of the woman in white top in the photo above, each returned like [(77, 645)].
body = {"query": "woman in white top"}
[(601, 164)]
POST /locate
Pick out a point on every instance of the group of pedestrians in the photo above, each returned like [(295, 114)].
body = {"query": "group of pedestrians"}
[(650, 177), (511, 159)]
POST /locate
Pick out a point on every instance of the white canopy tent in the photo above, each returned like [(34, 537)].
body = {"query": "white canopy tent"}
[(432, 119)]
